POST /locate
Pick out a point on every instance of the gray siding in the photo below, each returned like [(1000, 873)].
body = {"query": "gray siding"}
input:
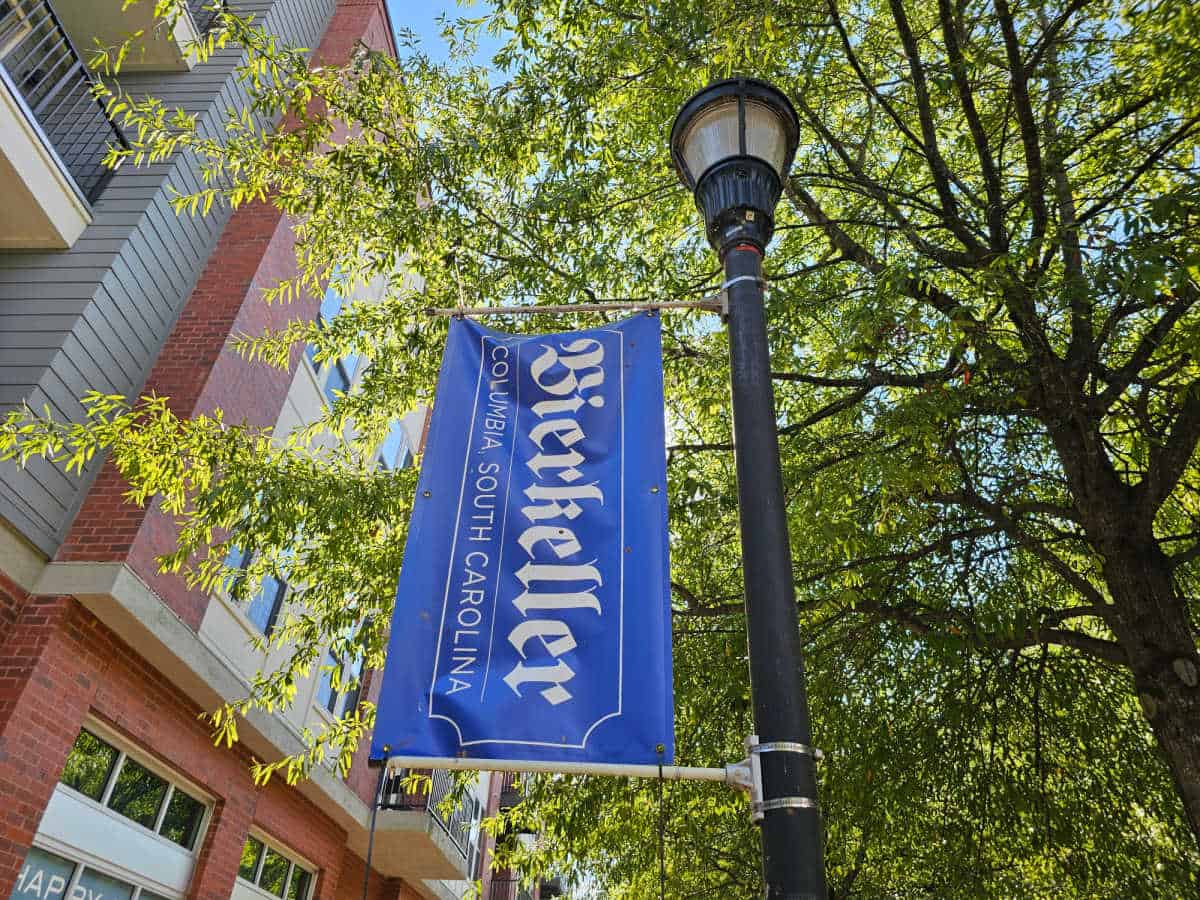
[(95, 317)]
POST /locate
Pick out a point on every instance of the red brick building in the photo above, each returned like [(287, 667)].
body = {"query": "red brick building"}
[(110, 786)]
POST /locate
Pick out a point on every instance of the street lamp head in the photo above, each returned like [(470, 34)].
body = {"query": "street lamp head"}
[(732, 144)]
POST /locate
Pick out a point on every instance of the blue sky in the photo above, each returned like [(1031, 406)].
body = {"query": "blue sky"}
[(422, 17)]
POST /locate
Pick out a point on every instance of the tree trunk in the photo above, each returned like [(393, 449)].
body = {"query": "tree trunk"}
[(1148, 617), (1151, 623)]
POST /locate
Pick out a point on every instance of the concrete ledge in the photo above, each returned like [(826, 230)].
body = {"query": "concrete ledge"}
[(411, 845), (19, 559), (112, 21), (43, 206), (408, 844), (123, 602)]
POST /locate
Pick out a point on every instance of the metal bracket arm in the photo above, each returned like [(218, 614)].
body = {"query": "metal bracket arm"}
[(740, 775)]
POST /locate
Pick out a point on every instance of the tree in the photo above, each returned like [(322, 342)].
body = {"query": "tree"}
[(984, 318)]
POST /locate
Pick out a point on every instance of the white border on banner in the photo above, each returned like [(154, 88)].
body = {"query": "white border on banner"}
[(496, 597)]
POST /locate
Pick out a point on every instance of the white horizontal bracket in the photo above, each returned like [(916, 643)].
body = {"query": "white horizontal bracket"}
[(735, 775)]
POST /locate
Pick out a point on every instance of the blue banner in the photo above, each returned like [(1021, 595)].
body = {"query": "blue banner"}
[(532, 617)]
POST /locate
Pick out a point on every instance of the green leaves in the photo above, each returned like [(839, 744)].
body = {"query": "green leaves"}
[(982, 306)]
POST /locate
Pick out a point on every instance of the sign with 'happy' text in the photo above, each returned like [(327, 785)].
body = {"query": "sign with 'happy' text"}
[(532, 616)]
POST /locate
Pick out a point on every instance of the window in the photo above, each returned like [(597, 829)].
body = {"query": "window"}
[(274, 871), (89, 765), (108, 776), (138, 794), (331, 305), (251, 854), (44, 874), (345, 701), (341, 375), (475, 838), (263, 608), (394, 452), (341, 371), (49, 876)]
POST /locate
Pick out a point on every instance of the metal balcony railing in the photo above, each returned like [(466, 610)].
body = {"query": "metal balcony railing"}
[(49, 73), (510, 790), (508, 889), (203, 13), (457, 825)]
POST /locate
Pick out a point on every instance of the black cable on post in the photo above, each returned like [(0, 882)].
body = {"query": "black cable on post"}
[(662, 831), (371, 833)]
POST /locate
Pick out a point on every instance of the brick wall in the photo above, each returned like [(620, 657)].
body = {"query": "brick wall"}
[(199, 373), (12, 598), (362, 779), (351, 883), (58, 663), (61, 664)]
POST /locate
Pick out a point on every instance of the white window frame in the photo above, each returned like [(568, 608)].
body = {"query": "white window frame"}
[(82, 859), (475, 839), (251, 628), (294, 859), (128, 750), (339, 711)]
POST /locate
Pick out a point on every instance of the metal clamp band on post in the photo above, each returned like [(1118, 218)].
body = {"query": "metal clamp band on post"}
[(788, 747), (759, 806), (724, 292), (757, 809), (740, 278)]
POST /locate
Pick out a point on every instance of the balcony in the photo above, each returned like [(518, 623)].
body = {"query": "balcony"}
[(160, 48), (54, 133), (510, 790), (414, 840), (204, 14), (508, 889), (511, 795)]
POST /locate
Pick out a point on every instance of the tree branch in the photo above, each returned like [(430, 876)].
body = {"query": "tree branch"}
[(916, 288), (1107, 651), (1025, 121), (694, 606), (972, 500), (1149, 343), (937, 164), (1169, 459), (840, 405), (1050, 34), (700, 448), (987, 165), (951, 259), (1150, 162)]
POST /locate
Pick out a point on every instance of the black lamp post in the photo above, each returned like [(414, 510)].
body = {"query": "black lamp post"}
[(733, 144)]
